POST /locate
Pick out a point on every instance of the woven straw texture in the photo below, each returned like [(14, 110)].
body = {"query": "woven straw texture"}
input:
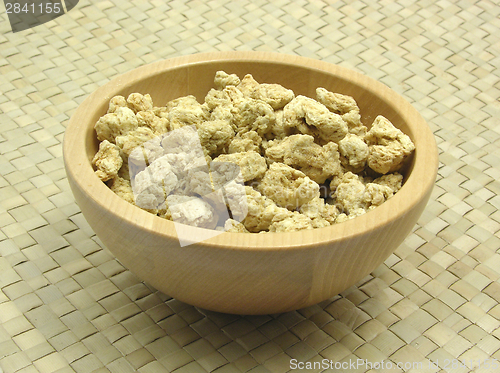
[(66, 305)]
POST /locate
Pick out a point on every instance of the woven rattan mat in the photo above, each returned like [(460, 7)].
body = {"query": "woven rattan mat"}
[(66, 305)]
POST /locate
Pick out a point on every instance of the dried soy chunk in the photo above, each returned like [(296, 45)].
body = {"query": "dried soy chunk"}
[(123, 189), (224, 113), (160, 172), (388, 146), (215, 136), (183, 141), (275, 95), (247, 85), (133, 139), (253, 115), (354, 125), (353, 193), (349, 193), (219, 104), (150, 119), (394, 181), (138, 102), (294, 221), (318, 209), (152, 185), (116, 102), (107, 161), (185, 111), (182, 163), (221, 185), (231, 225), (309, 117), (386, 158), (229, 189), (261, 211), (160, 111), (143, 154), (345, 106), (336, 102), (288, 187), (376, 194), (302, 153), (195, 180), (245, 142), (222, 173), (234, 95), (342, 217), (383, 132), (192, 211), (118, 123), (230, 100), (320, 222), (354, 152), (183, 150), (252, 165), (216, 98), (223, 79), (278, 131)]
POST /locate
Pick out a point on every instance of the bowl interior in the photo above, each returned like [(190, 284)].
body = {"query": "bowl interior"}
[(197, 79), (167, 80)]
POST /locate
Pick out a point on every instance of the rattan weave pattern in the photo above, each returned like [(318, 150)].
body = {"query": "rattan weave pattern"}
[(66, 305)]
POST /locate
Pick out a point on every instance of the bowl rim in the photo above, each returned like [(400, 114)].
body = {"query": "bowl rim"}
[(424, 170)]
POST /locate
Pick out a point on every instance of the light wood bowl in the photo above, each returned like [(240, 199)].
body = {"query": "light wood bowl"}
[(249, 273)]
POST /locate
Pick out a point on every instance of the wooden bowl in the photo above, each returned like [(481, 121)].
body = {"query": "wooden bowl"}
[(249, 273)]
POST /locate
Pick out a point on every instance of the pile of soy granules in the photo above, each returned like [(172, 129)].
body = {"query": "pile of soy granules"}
[(303, 163)]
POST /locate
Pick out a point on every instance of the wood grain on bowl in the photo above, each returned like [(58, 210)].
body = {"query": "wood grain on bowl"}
[(250, 273)]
